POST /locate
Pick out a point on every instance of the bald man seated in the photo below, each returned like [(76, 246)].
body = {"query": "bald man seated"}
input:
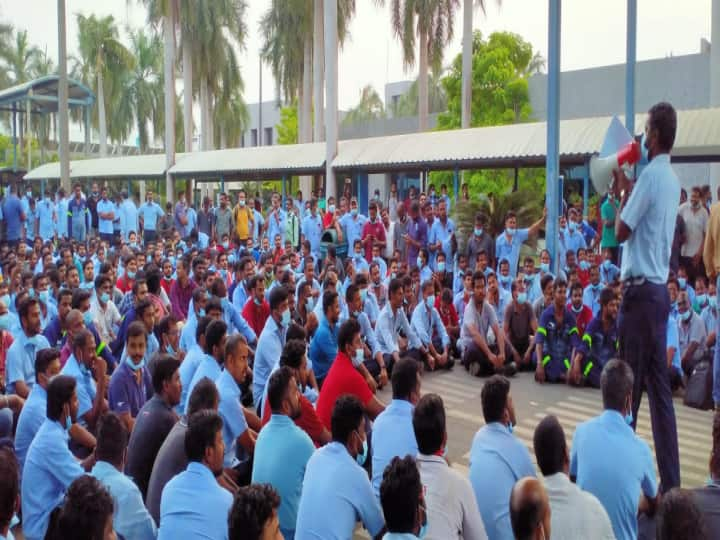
[(530, 510)]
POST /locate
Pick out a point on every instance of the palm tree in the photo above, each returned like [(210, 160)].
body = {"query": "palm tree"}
[(430, 22), (104, 60), (370, 107), (407, 105), (143, 95), (20, 58), (43, 66)]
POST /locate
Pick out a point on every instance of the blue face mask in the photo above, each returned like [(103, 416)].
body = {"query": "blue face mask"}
[(104, 298), (31, 292), (133, 365), (170, 350), (44, 296), (430, 301), (607, 263), (419, 262), (5, 299), (572, 226), (362, 456), (201, 312), (285, 318), (87, 318), (682, 282), (544, 268), (510, 231), (363, 294), (701, 299), (584, 265), (712, 300), (478, 231), (510, 427), (130, 275), (354, 211), (522, 298), (5, 321), (310, 304), (685, 317), (441, 266), (68, 423)]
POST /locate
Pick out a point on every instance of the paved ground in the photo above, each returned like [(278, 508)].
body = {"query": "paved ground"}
[(461, 394)]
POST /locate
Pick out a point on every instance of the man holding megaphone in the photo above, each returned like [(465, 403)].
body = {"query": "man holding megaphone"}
[(648, 210)]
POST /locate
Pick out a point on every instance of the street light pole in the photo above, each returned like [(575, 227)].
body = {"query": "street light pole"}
[(64, 148), (552, 159)]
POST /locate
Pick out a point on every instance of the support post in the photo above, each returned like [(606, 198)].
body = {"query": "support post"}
[(14, 132), (42, 188), (222, 184), (715, 84), (456, 183), (28, 124), (283, 189), (586, 188), (516, 179), (552, 160), (331, 92), (86, 122), (631, 53), (63, 114)]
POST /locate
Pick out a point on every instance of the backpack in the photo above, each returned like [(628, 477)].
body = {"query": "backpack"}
[(698, 391)]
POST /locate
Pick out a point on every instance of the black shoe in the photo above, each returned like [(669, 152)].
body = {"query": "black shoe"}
[(510, 369), (449, 364)]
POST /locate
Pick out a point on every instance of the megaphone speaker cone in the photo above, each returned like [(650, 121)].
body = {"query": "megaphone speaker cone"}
[(601, 169)]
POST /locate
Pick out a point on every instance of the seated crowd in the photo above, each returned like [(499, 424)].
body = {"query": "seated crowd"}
[(186, 387)]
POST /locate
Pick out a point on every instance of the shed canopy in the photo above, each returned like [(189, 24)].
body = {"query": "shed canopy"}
[(126, 167), (43, 93), (258, 162)]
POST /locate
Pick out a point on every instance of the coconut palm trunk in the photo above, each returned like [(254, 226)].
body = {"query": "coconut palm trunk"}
[(102, 119), (204, 143), (187, 103), (318, 72), (423, 83), (169, 71), (305, 135), (466, 93)]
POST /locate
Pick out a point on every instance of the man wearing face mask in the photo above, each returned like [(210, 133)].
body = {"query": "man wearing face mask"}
[(50, 467), (646, 225), (180, 219), (430, 330), (591, 293), (20, 366), (618, 483), (150, 212), (271, 341), (373, 232), (335, 483), (498, 458), (283, 449), (692, 334), (509, 242), (104, 313), (324, 344)]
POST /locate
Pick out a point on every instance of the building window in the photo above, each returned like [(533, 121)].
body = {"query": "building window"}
[(253, 137), (268, 136)]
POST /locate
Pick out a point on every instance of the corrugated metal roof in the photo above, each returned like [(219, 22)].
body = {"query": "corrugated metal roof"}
[(254, 162), (46, 86), (140, 167), (517, 144)]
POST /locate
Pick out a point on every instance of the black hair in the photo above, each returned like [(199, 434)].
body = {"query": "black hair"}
[(329, 298), (347, 333), (277, 296), (525, 515), (79, 297), (253, 506), (101, 279), (607, 295), (86, 509), (347, 415), (214, 334), (59, 393), (9, 485), (24, 307), (679, 517), (404, 378), (214, 304), (494, 398), (204, 396), (201, 432), (550, 446), (429, 423), (616, 382), (663, 118), (112, 439), (278, 388), (198, 294), (80, 339), (136, 329), (479, 276), (400, 495), (394, 285), (559, 284), (292, 353), (43, 359), (164, 368), (142, 307), (350, 293), (295, 331), (545, 280)]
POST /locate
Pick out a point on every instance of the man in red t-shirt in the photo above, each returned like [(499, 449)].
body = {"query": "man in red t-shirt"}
[(126, 282), (449, 317), (344, 378), (294, 357), (256, 310), (583, 314), (373, 233)]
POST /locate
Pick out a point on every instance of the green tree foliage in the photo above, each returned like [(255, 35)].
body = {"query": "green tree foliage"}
[(287, 129), (370, 107)]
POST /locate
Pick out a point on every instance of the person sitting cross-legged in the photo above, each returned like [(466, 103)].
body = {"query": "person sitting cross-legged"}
[(556, 338)]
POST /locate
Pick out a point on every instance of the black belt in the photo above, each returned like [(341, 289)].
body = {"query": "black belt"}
[(634, 281)]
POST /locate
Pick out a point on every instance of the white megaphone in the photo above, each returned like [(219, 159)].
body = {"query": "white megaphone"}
[(619, 149)]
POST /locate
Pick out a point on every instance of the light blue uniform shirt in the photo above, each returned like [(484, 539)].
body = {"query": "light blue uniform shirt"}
[(276, 225), (236, 322), (571, 241), (187, 336), (194, 506), (20, 364), (617, 483), (258, 223), (312, 230), (510, 250), (85, 389), (32, 217), (267, 354), (709, 317), (591, 297), (187, 370), (105, 226), (32, 416), (610, 274), (498, 459), (130, 519), (352, 229), (426, 322), (392, 435), (673, 340), (128, 218), (49, 470), (240, 296), (324, 347), (191, 215), (150, 213), (282, 452), (62, 222), (231, 411), (442, 233), (208, 367), (336, 494), (46, 219), (387, 330), (650, 213)]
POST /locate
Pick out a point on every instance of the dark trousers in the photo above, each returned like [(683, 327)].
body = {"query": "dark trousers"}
[(643, 325), (149, 236), (107, 237), (473, 353)]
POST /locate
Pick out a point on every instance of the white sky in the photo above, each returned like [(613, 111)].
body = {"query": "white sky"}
[(593, 34)]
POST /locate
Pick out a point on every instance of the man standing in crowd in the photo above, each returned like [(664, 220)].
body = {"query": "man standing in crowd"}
[(508, 243), (646, 225), (695, 216), (150, 212), (711, 257), (14, 217), (106, 216)]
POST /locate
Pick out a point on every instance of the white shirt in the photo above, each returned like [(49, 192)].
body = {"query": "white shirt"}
[(575, 513), (451, 506), (695, 226), (104, 319), (390, 244)]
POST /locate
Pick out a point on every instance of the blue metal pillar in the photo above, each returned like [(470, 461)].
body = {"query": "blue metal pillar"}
[(14, 132), (456, 181), (631, 53), (552, 160), (283, 189), (42, 188), (586, 188), (363, 194), (222, 184)]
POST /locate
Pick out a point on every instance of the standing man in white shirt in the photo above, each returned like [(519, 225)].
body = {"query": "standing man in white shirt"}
[(696, 219), (575, 513), (452, 509)]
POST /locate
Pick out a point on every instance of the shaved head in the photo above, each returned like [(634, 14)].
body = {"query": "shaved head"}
[(530, 510)]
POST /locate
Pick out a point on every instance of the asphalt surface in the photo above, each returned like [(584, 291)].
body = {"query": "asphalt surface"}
[(461, 395)]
